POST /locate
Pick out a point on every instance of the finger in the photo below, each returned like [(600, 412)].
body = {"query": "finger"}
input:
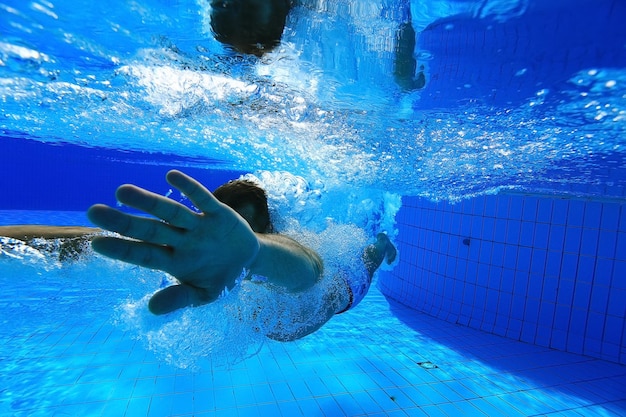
[(157, 205), (134, 252), (142, 228), (196, 192)]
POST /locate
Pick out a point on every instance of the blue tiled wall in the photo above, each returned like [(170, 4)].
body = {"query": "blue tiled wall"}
[(548, 271)]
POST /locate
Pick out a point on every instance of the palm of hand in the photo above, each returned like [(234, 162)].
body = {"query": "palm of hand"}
[(212, 255), (205, 250)]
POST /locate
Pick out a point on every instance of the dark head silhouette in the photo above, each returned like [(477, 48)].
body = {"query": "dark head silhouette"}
[(249, 26), (249, 200)]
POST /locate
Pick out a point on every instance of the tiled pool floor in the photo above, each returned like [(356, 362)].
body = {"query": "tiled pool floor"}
[(380, 359)]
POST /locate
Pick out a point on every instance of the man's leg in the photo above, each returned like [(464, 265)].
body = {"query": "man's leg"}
[(374, 254)]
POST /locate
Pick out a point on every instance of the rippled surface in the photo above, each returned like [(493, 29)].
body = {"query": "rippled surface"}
[(510, 100)]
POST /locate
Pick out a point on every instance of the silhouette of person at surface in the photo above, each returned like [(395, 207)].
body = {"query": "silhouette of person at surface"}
[(256, 27), (249, 26)]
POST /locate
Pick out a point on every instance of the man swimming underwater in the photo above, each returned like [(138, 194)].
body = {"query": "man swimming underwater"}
[(207, 251)]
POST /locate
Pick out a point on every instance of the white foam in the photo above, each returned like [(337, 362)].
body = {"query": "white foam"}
[(175, 91)]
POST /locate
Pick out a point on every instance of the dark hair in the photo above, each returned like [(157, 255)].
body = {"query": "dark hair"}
[(243, 195), (249, 26)]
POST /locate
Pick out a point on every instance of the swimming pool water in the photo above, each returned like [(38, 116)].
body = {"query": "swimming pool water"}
[(519, 94), (63, 355), (510, 163)]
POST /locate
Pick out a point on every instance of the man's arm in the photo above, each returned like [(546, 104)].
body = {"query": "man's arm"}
[(282, 260), (286, 263), (205, 251)]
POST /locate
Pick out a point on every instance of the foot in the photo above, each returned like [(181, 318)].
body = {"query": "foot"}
[(386, 247)]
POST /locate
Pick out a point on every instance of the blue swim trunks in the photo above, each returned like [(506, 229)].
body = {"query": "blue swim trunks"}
[(358, 284)]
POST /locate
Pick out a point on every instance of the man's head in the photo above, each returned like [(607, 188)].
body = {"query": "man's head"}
[(249, 26), (249, 200)]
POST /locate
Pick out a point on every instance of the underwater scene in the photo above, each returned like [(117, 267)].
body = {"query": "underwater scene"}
[(524, 111), (347, 115)]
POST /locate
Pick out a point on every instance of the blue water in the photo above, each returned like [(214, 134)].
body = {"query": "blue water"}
[(520, 95)]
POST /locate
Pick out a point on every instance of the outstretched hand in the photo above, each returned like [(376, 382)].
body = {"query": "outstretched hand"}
[(205, 251)]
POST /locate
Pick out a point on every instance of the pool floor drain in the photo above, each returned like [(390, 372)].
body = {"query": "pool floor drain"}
[(427, 365)]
